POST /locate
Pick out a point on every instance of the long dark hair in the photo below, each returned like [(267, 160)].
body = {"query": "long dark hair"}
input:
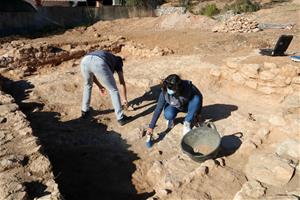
[(173, 82)]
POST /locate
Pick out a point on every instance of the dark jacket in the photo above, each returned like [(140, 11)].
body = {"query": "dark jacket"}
[(181, 102), (114, 62)]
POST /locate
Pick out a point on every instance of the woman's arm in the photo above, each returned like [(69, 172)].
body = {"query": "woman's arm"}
[(123, 87), (159, 107), (101, 88)]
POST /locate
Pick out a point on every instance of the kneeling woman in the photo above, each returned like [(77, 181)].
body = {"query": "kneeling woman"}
[(177, 96)]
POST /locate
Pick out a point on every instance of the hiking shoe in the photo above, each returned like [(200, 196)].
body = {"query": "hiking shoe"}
[(186, 127), (124, 120), (170, 124), (85, 114)]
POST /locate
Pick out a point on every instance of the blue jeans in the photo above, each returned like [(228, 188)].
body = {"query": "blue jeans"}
[(94, 66), (194, 107)]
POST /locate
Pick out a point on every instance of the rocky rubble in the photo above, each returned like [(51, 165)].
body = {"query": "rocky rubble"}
[(24, 172), (140, 51), (23, 59), (238, 24)]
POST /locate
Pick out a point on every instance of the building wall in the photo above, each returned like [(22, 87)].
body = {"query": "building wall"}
[(63, 17)]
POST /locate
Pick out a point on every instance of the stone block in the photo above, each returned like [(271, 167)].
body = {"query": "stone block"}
[(269, 169)]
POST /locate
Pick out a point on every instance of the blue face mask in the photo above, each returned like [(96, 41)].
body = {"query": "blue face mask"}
[(170, 92)]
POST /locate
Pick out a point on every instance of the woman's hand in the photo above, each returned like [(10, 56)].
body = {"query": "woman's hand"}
[(149, 131), (102, 91)]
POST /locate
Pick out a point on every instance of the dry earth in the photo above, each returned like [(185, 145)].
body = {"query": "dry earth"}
[(253, 100)]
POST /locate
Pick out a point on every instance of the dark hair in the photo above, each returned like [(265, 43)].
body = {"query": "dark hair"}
[(173, 82)]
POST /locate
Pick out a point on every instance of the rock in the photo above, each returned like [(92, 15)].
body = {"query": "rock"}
[(6, 99), (288, 70), (202, 170), (247, 147), (234, 63), (292, 100), (215, 72), (266, 90), (240, 196), (269, 169), (282, 197), (295, 193), (2, 135), (221, 162), (3, 119), (251, 84), (257, 140), (268, 65), (163, 192), (263, 133), (236, 77), (290, 148), (7, 108), (25, 131), (11, 161), (296, 80), (253, 189), (18, 196), (250, 70), (10, 189), (46, 197), (277, 120), (209, 163), (297, 168), (266, 75), (250, 190), (155, 172), (40, 165)]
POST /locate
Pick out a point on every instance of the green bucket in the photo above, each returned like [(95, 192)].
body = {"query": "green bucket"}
[(205, 139)]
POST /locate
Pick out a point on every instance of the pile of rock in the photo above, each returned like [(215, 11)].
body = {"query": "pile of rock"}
[(165, 10), (141, 51), (24, 172), (27, 58), (238, 24)]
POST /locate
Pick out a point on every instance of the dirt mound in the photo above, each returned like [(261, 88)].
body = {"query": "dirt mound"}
[(188, 20)]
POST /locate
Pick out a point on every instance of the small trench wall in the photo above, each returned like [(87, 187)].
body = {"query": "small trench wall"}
[(48, 18)]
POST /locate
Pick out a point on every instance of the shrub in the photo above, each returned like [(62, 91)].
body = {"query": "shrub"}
[(210, 10), (241, 6), (137, 3)]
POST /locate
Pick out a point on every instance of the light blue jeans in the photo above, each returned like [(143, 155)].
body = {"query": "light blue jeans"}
[(94, 66)]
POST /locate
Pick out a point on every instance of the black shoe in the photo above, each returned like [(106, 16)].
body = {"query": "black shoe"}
[(85, 114), (124, 120)]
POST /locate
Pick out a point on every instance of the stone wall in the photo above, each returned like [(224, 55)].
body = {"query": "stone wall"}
[(24, 172), (265, 77)]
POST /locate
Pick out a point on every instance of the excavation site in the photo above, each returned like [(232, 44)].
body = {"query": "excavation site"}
[(251, 101)]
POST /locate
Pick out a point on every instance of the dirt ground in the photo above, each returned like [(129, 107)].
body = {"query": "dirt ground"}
[(98, 159)]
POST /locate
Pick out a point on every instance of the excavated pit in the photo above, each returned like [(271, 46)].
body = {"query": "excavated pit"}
[(88, 160)]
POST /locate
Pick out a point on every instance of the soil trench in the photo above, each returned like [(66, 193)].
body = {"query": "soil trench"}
[(88, 160)]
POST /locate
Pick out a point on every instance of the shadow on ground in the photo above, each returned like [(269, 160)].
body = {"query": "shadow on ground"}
[(215, 112), (230, 144), (88, 161)]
